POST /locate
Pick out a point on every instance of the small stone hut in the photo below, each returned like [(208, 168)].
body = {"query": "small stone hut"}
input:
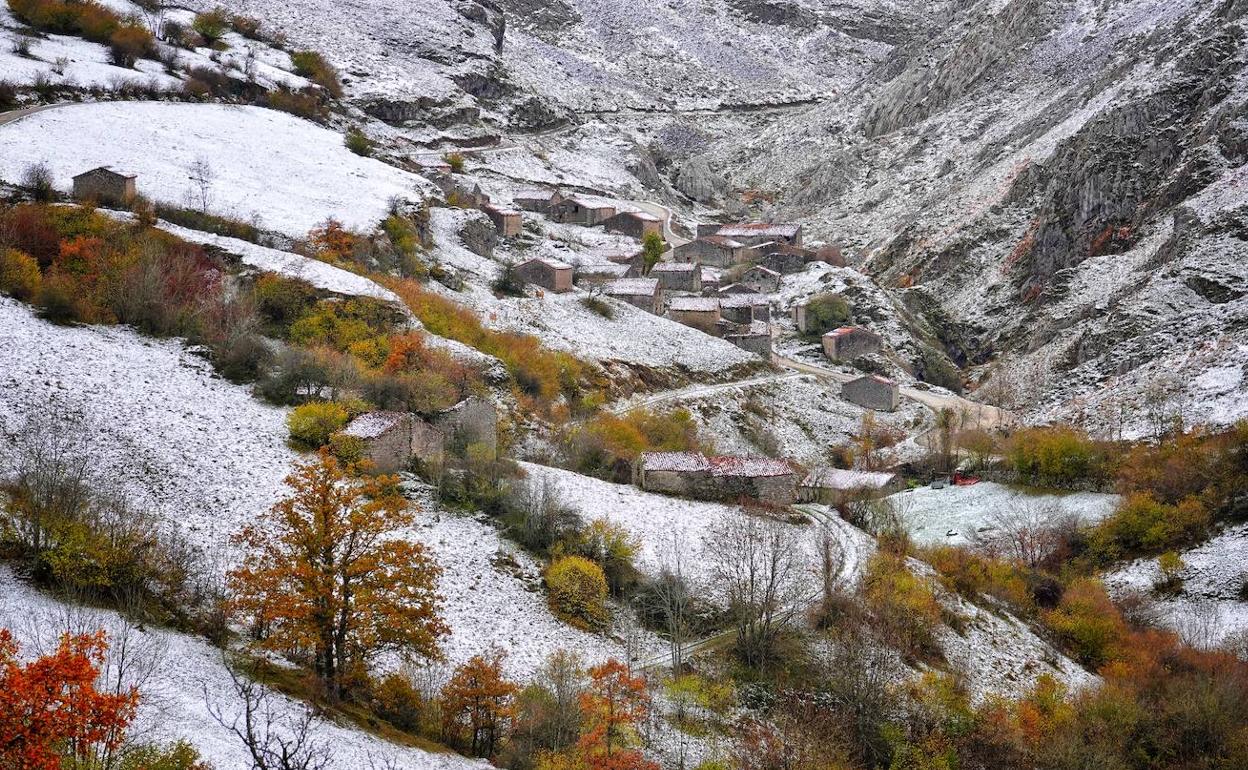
[(850, 342), (873, 392), (105, 185), (761, 279), (645, 293), (756, 233), (678, 276), (754, 337), (712, 250), (691, 474), (637, 224), (701, 313), (833, 486), (472, 421), (391, 440), (597, 274), (508, 222), (548, 273), (581, 210), (745, 308), (538, 201)]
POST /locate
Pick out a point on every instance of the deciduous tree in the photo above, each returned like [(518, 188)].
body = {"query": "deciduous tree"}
[(478, 705), (612, 707), (326, 573)]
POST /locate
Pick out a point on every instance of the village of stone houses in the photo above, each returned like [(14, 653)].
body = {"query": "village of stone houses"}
[(580, 385)]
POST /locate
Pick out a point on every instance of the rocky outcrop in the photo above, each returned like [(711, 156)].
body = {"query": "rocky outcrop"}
[(487, 13), (533, 113), (478, 233), (696, 179)]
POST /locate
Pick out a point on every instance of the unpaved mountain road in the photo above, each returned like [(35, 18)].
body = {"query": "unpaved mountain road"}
[(15, 115)]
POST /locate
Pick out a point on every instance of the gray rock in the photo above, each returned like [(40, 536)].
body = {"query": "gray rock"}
[(696, 179), (478, 233)]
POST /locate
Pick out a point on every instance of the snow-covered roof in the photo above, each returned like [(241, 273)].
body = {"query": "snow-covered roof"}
[(633, 287), (504, 210), (764, 270), (721, 240), (587, 202), (641, 215), (693, 304), (550, 262), (604, 268), (534, 195), (847, 330), (674, 267), (374, 424), (674, 461), (755, 229), (739, 288), (742, 300), (749, 466), (709, 275), (107, 170), (839, 478)]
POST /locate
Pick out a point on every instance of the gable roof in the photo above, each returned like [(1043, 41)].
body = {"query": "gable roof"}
[(756, 229), (550, 262), (764, 270), (639, 215), (749, 299), (675, 267), (845, 331), (693, 304), (873, 378), (534, 195), (674, 461), (749, 466), (721, 241), (374, 424), (633, 287), (105, 170), (604, 268)]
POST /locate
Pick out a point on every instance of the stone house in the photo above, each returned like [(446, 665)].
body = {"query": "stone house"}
[(872, 392), (712, 250), (460, 195), (581, 210), (850, 342), (800, 317), (833, 486), (636, 261), (104, 185), (538, 201), (784, 261), (691, 474), (472, 421), (548, 273), (756, 233), (599, 273), (508, 222), (744, 308), (645, 293), (755, 338), (391, 440), (637, 224), (701, 313), (678, 276), (761, 279), (737, 288), (710, 282)]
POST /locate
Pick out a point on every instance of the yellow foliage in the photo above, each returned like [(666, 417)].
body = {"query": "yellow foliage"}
[(578, 591), (19, 274), (312, 424)]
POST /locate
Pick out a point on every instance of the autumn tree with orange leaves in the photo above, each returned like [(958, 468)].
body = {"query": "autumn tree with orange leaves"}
[(478, 705), (327, 579), (50, 709), (613, 705)]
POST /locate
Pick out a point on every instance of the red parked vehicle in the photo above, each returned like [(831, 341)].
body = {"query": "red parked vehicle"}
[(960, 479)]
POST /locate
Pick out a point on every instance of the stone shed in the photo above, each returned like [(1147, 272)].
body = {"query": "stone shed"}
[(598, 273), (645, 293), (761, 279), (850, 342), (754, 337), (546, 272), (691, 474), (106, 186), (581, 210), (745, 308), (391, 440), (637, 224), (756, 233), (538, 201), (701, 313), (508, 222), (873, 392), (710, 282), (785, 260), (678, 276), (833, 486), (712, 250)]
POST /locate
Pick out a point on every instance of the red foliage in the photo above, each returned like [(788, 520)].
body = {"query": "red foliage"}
[(27, 229), (613, 705), (50, 708)]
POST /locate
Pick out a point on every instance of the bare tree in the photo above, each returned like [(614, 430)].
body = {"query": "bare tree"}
[(202, 176), (1026, 531), (50, 473), (756, 565), (831, 579), (275, 741), (672, 598)]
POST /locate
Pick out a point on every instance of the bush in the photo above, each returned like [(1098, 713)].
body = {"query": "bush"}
[(212, 25), (599, 306), (209, 223), (8, 94), (311, 425), (128, 44), (1144, 525), (456, 161), (19, 275), (1059, 456), (304, 103), (314, 67), (509, 283), (37, 179), (358, 143), (826, 312), (613, 548), (281, 300), (578, 592), (1089, 623), (903, 604)]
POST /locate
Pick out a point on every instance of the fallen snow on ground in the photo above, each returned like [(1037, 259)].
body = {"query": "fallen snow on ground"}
[(179, 676), (951, 516), (198, 451), (320, 274), (1211, 607), (286, 173)]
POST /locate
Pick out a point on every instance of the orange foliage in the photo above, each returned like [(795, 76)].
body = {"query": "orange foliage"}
[(50, 708), (333, 242), (478, 705), (613, 705)]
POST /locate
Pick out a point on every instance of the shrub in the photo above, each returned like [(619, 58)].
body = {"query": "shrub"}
[(304, 103), (456, 161), (19, 274), (903, 604), (8, 94), (281, 300), (1142, 524), (348, 449), (212, 25), (1058, 455), (1089, 623), (58, 301), (509, 283), (599, 306), (826, 312), (613, 548), (311, 425), (314, 67), (652, 248), (396, 700), (1171, 567), (37, 179), (359, 143), (247, 26), (128, 44), (578, 591), (209, 223)]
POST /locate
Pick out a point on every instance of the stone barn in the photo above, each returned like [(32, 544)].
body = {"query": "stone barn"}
[(712, 250), (710, 282), (581, 210), (745, 308), (472, 421), (600, 273), (701, 313), (645, 293), (548, 273), (784, 262), (391, 440), (850, 342), (761, 279), (637, 224), (833, 486), (678, 276), (754, 338), (508, 222), (103, 185), (538, 201), (685, 474), (691, 474), (756, 233), (872, 392)]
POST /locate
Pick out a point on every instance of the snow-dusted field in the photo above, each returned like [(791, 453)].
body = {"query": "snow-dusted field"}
[(1211, 606), (951, 516), (179, 677), (283, 172)]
